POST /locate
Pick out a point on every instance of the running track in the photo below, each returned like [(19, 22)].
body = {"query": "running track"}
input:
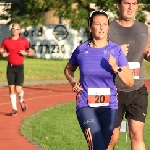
[(37, 97)]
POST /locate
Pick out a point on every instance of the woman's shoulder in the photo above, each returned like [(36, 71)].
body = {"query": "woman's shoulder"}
[(114, 45), (82, 46)]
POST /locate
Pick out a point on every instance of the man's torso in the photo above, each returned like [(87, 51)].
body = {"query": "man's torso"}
[(13, 47), (137, 37)]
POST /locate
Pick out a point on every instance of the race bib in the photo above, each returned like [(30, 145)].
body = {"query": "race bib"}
[(98, 97), (135, 67)]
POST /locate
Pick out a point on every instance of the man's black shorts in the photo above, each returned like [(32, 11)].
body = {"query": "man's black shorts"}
[(15, 74), (133, 105)]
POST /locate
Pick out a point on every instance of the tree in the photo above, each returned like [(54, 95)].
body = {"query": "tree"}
[(26, 12), (80, 12), (146, 7), (30, 12)]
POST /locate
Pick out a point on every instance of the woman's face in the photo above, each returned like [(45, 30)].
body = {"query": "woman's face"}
[(99, 27)]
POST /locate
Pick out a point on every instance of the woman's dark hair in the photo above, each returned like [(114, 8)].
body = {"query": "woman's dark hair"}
[(96, 13), (92, 15)]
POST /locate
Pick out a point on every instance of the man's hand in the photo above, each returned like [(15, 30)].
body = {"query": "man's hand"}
[(5, 54), (23, 52), (125, 49), (148, 55)]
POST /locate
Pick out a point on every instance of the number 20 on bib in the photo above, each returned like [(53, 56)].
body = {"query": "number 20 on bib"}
[(98, 97)]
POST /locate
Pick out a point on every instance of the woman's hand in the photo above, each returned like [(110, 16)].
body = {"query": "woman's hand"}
[(112, 63), (76, 87)]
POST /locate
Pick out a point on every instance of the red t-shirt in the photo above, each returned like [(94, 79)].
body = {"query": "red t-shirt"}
[(13, 47)]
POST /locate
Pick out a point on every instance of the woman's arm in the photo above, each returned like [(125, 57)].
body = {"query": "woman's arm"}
[(126, 76), (69, 73), (125, 73)]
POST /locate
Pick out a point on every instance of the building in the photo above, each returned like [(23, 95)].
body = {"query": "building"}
[(50, 18)]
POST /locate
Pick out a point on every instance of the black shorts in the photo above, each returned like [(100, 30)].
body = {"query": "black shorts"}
[(15, 74), (133, 105)]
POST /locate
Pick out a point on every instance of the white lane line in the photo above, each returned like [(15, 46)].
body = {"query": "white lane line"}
[(30, 93), (30, 99)]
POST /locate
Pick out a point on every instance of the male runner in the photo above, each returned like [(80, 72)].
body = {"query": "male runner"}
[(132, 101), (16, 48)]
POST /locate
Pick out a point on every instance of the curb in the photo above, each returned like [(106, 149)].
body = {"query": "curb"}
[(29, 83)]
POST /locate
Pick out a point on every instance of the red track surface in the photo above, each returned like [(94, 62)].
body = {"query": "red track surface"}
[(37, 97)]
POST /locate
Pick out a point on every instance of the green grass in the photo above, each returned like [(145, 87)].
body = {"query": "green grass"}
[(47, 69), (57, 128), (39, 69), (147, 69)]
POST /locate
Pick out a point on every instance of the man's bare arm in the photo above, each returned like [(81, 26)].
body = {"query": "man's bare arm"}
[(147, 49), (1, 51), (31, 52)]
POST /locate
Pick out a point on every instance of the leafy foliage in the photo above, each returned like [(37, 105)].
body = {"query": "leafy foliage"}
[(31, 12)]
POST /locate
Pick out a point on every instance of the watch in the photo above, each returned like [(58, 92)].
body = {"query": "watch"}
[(119, 70)]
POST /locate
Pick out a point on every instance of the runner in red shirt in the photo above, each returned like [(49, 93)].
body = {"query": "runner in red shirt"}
[(15, 48)]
